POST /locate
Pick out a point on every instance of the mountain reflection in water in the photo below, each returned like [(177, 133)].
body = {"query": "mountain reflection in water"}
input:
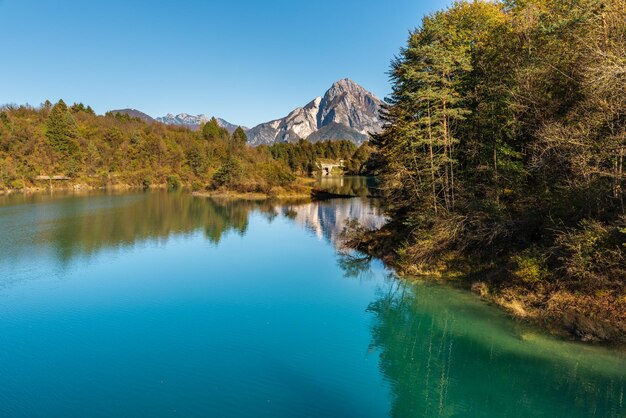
[(74, 226)]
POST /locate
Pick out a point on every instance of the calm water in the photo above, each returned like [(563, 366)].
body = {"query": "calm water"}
[(169, 305)]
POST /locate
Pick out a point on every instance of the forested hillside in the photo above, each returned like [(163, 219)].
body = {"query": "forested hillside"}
[(118, 150), (503, 157)]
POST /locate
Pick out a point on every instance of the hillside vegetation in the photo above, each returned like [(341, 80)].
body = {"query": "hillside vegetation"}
[(503, 158), (116, 150)]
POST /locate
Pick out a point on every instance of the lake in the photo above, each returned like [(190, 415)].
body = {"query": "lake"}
[(157, 304)]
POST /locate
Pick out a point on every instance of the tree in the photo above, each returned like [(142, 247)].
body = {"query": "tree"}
[(212, 131), (79, 107), (197, 160), (239, 138), (61, 131), (428, 106)]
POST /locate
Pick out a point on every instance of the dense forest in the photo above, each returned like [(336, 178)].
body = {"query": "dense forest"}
[(74, 143), (503, 156)]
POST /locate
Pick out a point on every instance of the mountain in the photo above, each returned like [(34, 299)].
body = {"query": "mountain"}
[(346, 111), (134, 113), (230, 127), (184, 119), (194, 122)]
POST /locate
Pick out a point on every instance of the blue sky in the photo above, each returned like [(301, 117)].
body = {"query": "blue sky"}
[(245, 61)]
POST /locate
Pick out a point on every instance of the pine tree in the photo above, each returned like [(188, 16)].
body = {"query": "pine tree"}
[(239, 138), (424, 112), (61, 132), (212, 131)]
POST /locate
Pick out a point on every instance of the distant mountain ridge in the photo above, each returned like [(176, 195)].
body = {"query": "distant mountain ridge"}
[(194, 122), (346, 111), (134, 113)]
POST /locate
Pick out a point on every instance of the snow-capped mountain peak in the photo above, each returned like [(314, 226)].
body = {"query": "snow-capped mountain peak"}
[(194, 121)]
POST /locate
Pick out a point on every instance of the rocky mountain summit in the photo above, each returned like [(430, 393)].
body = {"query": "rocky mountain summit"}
[(346, 111)]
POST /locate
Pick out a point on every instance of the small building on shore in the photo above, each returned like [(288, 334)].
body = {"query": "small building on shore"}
[(326, 167)]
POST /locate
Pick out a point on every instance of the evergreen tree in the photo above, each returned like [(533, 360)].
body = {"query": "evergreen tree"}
[(212, 131), (239, 138), (426, 109), (61, 132)]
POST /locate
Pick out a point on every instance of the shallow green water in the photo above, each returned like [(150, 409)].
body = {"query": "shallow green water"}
[(169, 305)]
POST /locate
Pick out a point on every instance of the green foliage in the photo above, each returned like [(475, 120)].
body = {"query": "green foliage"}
[(228, 174), (116, 149), (592, 254), (505, 141), (239, 138), (530, 265), (173, 182), (212, 131), (79, 107), (17, 184), (302, 157), (61, 131), (146, 182), (277, 174), (197, 159), (196, 186), (360, 163), (122, 117)]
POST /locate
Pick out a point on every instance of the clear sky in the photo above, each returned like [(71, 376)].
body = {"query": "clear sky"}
[(245, 61)]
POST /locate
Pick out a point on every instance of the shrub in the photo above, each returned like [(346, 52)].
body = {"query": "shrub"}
[(278, 175), (530, 265), (593, 254), (196, 186), (17, 184), (146, 182), (173, 182)]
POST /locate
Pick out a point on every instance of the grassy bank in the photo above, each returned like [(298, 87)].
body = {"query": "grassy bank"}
[(301, 187)]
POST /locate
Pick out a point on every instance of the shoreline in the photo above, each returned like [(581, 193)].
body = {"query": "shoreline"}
[(250, 195), (302, 190), (564, 314), (78, 187)]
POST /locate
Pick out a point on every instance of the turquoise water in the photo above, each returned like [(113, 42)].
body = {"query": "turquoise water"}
[(169, 305)]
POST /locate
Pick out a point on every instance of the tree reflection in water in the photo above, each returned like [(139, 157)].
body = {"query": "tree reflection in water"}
[(78, 226), (445, 354)]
